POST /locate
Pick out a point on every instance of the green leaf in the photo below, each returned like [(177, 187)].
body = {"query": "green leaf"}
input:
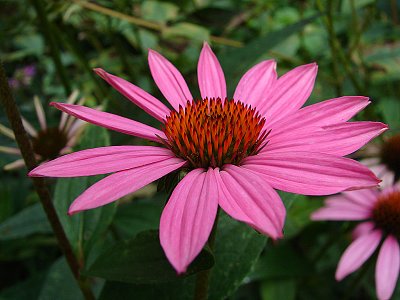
[(83, 228), (278, 289), (187, 30), (29, 221), (142, 260), (390, 108), (139, 215), (281, 262), (298, 212), (237, 249), (159, 11), (60, 284)]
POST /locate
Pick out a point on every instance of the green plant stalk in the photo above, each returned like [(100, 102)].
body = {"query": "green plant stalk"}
[(203, 278), (55, 53), (39, 183)]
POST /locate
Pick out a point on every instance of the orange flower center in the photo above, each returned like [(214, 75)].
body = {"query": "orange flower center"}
[(49, 143), (386, 213), (390, 154), (209, 133)]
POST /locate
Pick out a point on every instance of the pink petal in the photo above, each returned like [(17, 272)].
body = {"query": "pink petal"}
[(188, 218), (365, 197), (338, 214), (357, 253), (362, 229), (210, 75), (340, 139), (329, 112), (101, 160), (40, 112), (341, 202), (310, 173), (144, 100), (290, 92), (122, 183), (247, 198), (169, 80), (387, 268), (111, 121), (256, 84)]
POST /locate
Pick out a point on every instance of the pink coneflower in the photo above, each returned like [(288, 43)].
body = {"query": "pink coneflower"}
[(48, 142), (235, 152), (380, 213)]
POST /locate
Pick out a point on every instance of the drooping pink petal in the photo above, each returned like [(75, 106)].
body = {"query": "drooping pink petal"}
[(325, 113), (387, 268), (188, 218), (362, 229), (169, 80), (71, 100), (365, 197), (255, 85), (357, 253), (101, 160), (19, 163), (338, 214), (310, 173), (341, 202), (339, 139), (111, 121), (290, 92), (210, 75), (122, 183), (247, 198), (141, 98), (40, 112)]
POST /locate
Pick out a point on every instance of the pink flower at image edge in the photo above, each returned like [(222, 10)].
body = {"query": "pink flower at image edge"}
[(235, 164), (379, 212)]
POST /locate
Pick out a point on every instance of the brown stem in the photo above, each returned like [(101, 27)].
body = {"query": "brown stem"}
[(25, 147)]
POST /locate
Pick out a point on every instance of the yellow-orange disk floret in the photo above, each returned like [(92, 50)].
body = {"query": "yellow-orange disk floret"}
[(211, 133)]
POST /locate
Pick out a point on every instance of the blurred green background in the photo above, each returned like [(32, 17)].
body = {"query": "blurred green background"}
[(49, 49)]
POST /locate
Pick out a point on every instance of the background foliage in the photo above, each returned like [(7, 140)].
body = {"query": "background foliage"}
[(354, 42)]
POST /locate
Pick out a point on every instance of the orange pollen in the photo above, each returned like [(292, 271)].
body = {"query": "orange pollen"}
[(386, 213), (210, 133)]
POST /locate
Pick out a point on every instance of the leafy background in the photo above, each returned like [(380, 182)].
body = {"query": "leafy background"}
[(356, 45)]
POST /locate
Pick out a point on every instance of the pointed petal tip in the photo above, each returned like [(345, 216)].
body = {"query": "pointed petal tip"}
[(100, 72)]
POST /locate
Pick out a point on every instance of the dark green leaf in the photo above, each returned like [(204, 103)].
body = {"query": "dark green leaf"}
[(142, 260), (29, 221), (278, 289), (237, 249), (60, 283)]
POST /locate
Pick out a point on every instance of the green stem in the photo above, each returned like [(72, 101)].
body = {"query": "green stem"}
[(39, 183), (203, 278), (55, 53)]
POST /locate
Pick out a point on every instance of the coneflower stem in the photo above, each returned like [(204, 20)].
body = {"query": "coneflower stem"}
[(27, 153), (202, 279)]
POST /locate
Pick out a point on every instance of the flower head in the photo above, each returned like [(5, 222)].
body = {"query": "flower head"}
[(235, 151), (48, 142), (379, 212)]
